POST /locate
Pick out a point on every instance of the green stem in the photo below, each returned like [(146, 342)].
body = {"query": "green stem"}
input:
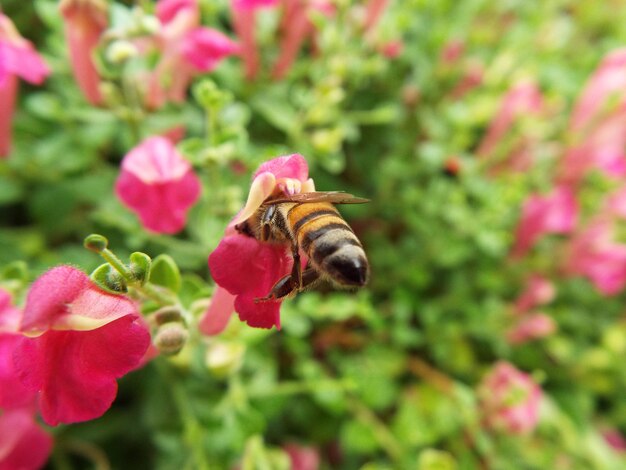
[(192, 428), (114, 261), (381, 432), (211, 126)]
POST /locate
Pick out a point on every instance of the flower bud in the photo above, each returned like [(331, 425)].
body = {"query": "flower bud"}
[(140, 266), (121, 51), (96, 243), (109, 279), (169, 314), (223, 358), (171, 337)]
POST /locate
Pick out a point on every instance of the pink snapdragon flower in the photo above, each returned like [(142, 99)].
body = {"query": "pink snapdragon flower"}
[(158, 184), (553, 213), (520, 100), (538, 291), (185, 48), (609, 80), (614, 439), (530, 327), (593, 253), (23, 444), (85, 21), (244, 24), (246, 268), (13, 393), (296, 28), (18, 58), (79, 341), (509, 400), (302, 458)]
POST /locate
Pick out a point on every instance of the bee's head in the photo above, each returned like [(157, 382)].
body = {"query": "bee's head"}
[(245, 228)]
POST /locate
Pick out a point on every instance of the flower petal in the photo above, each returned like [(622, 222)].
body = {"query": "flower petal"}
[(288, 166), (12, 392), (216, 317), (262, 186), (23, 444), (75, 371)]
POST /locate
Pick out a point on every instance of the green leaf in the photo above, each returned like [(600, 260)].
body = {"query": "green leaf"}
[(165, 273)]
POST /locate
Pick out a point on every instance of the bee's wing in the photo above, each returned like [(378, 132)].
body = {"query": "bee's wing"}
[(334, 197)]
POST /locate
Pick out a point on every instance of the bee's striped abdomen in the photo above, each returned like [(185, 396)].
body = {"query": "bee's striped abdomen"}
[(329, 242)]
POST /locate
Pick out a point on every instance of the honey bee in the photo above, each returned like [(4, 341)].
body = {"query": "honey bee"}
[(311, 223)]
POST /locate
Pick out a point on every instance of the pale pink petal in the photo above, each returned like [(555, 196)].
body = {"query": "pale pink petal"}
[(303, 458), (155, 160), (167, 10), (10, 316), (530, 327), (22, 60), (539, 291), (262, 186), (8, 96), (216, 317)]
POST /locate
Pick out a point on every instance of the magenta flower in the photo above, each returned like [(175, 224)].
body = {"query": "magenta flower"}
[(539, 291), (302, 458), (608, 80), (158, 184), (18, 58), (530, 327), (23, 444), (509, 400), (594, 254), (522, 99), (373, 12), (553, 213), (85, 21), (204, 48), (614, 439), (13, 394), (246, 268), (81, 340), (168, 10)]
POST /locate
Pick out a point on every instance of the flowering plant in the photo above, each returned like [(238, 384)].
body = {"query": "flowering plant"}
[(491, 334)]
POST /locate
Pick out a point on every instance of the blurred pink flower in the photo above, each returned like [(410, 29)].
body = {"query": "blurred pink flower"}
[(23, 444), (374, 10), (18, 58), (85, 21), (594, 254), (247, 268), (244, 24), (204, 48), (158, 184), (302, 458), (522, 99), (392, 49), (509, 400), (539, 291), (452, 51), (608, 80), (602, 147), (296, 28), (553, 213), (80, 340), (167, 10), (614, 439), (530, 327)]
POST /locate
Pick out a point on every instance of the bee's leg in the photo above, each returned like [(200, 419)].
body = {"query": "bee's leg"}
[(287, 285)]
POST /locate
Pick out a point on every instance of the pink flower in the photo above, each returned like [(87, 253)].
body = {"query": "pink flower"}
[(86, 340), (168, 10), (85, 21), (18, 58), (296, 28), (509, 400), (539, 291), (254, 4), (12, 393), (373, 12), (602, 147), (392, 49), (553, 213), (452, 51), (158, 184), (246, 268), (204, 48), (522, 99), (594, 254), (608, 80), (23, 444), (614, 439), (302, 458), (530, 327)]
